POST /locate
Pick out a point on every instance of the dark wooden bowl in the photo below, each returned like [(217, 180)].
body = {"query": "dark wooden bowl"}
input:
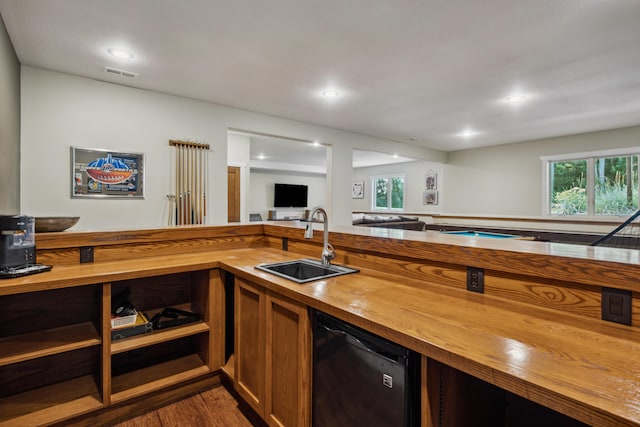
[(49, 224)]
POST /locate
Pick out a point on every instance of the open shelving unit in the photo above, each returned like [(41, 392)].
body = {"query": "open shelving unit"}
[(151, 361), (57, 359), (49, 355)]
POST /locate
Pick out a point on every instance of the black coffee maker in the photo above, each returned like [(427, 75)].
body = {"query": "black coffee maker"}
[(18, 247)]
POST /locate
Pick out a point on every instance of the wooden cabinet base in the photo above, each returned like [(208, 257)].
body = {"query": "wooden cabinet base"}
[(272, 355)]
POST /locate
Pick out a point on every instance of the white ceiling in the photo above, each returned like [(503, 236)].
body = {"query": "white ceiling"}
[(417, 70)]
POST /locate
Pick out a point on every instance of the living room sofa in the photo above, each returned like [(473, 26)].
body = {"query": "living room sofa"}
[(389, 221)]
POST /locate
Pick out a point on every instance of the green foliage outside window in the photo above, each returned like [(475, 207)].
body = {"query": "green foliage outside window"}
[(569, 187), (389, 192), (382, 193), (614, 181)]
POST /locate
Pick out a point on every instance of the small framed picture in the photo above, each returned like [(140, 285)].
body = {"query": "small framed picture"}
[(431, 180), (430, 197), (357, 190)]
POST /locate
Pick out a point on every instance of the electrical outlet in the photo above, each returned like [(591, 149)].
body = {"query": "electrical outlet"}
[(475, 279), (86, 254), (616, 305)]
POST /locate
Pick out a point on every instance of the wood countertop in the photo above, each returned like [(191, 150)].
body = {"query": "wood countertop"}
[(586, 368)]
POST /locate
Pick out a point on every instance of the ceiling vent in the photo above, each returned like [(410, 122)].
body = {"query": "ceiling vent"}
[(118, 72)]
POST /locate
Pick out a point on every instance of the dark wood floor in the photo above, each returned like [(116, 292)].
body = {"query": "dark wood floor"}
[(216, 407)]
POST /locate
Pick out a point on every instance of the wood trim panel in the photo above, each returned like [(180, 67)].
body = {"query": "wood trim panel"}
[(110, 253), (572, 263), (105, 356), (249, 343), (65, 256), (427, 412), (216, 319), (75, 239), (545, 293)]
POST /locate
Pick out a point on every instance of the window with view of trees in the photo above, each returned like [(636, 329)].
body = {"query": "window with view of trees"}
[(594, 185), (389, 192)]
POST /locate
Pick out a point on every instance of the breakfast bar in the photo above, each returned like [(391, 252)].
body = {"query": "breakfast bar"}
[(529, 344)]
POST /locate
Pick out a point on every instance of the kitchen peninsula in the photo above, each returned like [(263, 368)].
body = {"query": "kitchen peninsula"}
[(532, 341)]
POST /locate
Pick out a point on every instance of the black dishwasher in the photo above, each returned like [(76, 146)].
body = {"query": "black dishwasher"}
[(360, 379)]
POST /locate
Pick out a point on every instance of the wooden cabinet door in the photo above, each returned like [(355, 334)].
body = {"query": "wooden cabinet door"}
[(250, 344), (288, 363)]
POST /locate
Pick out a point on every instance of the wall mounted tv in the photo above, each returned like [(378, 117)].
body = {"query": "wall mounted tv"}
[(290, 196)]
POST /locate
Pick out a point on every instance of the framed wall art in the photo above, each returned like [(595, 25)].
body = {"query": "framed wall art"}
[(431, 180), (106, 173), (430, 197), (357, 190)]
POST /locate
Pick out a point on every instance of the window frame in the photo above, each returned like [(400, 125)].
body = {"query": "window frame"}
[(390, 176), (590, 157)]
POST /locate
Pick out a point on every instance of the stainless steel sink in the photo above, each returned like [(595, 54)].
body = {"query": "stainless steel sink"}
[(305, 270)]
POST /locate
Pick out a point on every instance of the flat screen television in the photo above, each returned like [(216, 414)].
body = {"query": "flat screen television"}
[(290, 196)]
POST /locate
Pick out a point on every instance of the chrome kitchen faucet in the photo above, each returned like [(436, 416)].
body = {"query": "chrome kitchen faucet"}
[(327, 250)]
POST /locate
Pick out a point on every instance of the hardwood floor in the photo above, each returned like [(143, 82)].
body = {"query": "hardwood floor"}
[(215, 407)]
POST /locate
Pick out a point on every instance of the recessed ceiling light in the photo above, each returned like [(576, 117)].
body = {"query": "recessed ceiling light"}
[(516, 99), (315, 143), (120, 53), (467, 133), (330, 93)]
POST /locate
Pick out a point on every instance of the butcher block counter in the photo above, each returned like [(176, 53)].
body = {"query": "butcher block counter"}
[(535, 330)]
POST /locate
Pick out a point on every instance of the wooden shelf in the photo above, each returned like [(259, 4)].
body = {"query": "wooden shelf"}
[(50, 404), (157, 377), (144, 340), (19, 348)]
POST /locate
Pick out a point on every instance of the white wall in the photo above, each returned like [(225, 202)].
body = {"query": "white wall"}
[(262, 186), (59, 110), (507, 179), (415, 185), (9, 126)]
